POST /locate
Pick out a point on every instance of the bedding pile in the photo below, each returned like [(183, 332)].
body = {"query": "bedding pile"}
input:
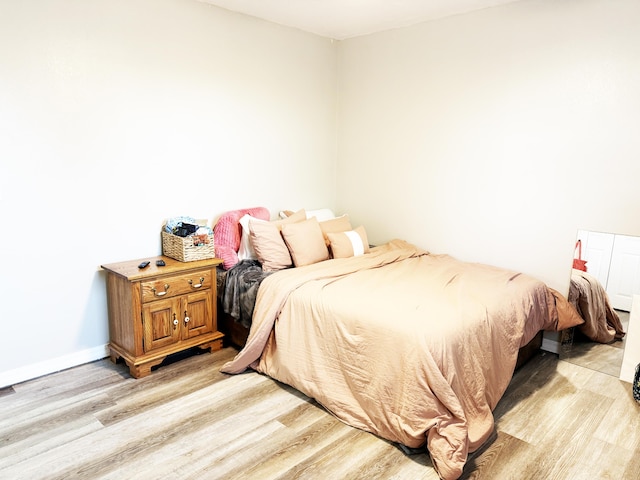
[(601, 322), (414, 347), (239, 289)]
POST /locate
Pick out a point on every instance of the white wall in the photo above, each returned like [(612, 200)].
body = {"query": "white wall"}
[(493, 136), (631, 357), (116, 114)]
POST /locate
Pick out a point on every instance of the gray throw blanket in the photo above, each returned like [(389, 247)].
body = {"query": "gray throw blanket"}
[(240, 290)]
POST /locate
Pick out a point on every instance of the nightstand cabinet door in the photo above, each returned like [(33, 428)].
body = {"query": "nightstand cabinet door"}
[(196, 314), (160, 324)]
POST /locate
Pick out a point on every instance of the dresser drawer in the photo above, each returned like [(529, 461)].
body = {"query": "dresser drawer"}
[(175, 285)]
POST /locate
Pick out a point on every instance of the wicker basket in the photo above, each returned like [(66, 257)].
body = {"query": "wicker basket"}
[(183, 249)]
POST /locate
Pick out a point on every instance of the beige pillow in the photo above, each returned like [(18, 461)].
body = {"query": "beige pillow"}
[(305, 242), (298, 216), (349, 244), (321, 214), (568, 316), (269, 246), (335, 225)]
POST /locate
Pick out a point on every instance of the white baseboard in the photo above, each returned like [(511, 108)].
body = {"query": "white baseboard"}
[(552, 346), (29, 372)]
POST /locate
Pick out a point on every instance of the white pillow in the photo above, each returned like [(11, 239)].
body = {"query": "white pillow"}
[(246, 251), (321, 214)]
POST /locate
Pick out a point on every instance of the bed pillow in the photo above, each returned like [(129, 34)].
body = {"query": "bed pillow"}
[(227, 232), (335, 225), (246, 250), (267, 242), (295, 217), (321, 214), (269, 246), (349, 244), (305, 242), (568, 316)]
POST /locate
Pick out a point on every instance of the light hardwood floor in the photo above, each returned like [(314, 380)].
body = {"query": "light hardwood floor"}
[(188, 421), (604, 357)]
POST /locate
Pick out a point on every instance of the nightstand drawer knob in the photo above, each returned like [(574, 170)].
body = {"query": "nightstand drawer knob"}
[(197, 285), (160, 294)]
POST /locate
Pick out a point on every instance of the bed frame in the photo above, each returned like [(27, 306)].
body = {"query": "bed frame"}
[(529, 350), (234, 333)]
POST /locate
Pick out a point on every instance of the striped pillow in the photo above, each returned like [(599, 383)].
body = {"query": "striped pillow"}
[(349, 244)]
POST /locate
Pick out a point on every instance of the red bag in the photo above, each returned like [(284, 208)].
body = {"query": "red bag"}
[(578, 263)]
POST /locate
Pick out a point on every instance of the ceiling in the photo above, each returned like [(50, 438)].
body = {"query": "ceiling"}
[(342, 19)]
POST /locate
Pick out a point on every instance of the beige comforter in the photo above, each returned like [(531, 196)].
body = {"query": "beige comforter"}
[(410, 346), (601, 322)]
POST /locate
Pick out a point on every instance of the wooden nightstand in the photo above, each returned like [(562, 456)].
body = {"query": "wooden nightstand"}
[(157, 311)]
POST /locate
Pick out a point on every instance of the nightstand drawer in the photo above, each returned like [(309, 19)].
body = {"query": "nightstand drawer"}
[(175, 285)]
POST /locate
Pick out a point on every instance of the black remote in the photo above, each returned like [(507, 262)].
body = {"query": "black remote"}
[(160, 263), (143, 264)]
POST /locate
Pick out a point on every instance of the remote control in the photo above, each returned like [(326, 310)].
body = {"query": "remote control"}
[(160, 263), (143, 264)]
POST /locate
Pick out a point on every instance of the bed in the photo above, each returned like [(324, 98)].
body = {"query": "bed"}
[(414, 347), (601, 323)]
